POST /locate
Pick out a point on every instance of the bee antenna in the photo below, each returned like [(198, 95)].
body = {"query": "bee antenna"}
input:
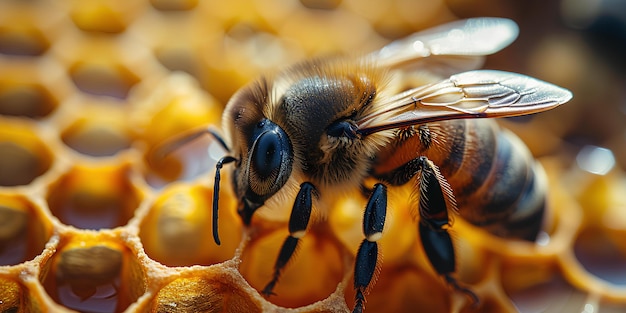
[(218, 137), (216, 193)]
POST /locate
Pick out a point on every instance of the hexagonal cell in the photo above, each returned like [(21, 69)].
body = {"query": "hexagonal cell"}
[(93, 272), (26, 100), (23, 230), (30, 89), (99, 131), (104, 66), (94, 197), (312, 275), (177, 230), (26, 29), (103, 78), (24, 156), (22, 41), (105, 16), (212, 290), (602, 256)]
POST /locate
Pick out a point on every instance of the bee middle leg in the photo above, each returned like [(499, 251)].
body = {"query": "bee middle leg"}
[(367, 258), (298, 222), (435, 201)]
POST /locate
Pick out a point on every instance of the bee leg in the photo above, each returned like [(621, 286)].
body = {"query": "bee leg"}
[(367, 260), (434, 202), (440, 251), (298, 222)]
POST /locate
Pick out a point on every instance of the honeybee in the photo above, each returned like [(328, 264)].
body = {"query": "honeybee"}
[(331, 124)]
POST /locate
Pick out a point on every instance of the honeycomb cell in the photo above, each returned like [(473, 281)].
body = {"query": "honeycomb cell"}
[(104, 66), (313, 274), (178, 39), (30, 89), (23, 231), (93, 273), (94, 197), (27, 29), (99, 131), (104, 16), (177, 58), (28, 41), (29, 100), (24, 156), (601, 256), (206, 291), (103, 78), (178, 232)]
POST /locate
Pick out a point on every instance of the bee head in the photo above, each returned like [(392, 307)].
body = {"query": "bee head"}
[(262, 148)]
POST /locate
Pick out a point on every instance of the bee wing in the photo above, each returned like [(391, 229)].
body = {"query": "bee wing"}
[(459, 44), (473, 94), (161, 151)]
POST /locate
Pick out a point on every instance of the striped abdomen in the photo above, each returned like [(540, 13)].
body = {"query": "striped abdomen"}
[(495, 180)]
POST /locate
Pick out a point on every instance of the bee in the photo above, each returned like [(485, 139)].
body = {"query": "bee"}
[(332, 124)]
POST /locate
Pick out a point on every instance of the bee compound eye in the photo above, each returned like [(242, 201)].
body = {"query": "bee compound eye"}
[(270, 162), (266, 156)]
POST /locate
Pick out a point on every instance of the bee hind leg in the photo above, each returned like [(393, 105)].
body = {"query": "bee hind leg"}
[(435, 201), (298, 222), (367, 258), (440, 252)]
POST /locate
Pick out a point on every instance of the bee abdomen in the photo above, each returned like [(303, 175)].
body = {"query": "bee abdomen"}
[(495, 180), (506, 198), (526, 220)]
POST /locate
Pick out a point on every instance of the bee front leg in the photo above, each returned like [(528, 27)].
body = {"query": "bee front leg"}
[(367, 258), (298, 222), (434, 202)]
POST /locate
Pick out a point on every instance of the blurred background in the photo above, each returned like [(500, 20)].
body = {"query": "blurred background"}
[(105, 78), (107, 48)]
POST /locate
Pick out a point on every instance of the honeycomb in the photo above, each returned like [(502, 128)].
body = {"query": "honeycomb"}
[(90, 223)]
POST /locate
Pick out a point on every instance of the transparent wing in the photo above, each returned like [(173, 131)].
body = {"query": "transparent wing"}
[(474, 94), (460, 45), (161, 151)]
